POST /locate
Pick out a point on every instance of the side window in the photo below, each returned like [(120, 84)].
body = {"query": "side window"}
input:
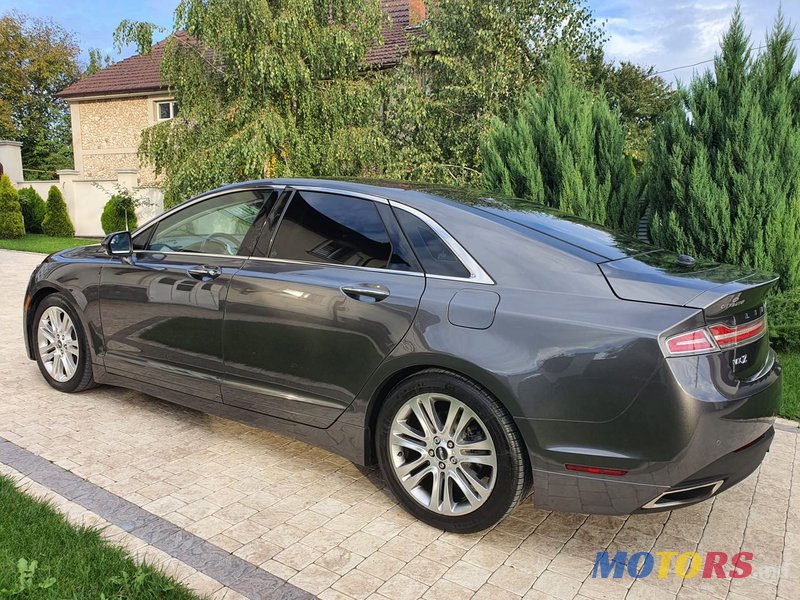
[(330, 228), (434, 255), (214, 226)]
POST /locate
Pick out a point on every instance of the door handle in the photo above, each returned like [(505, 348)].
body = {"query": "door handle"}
[(366, 292), (203, 272)]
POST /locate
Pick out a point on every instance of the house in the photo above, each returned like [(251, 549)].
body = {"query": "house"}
[(110, 109)]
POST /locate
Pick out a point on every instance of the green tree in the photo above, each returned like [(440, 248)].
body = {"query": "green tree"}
[(565, 148), (724, 174), (119, 214), (33, 209), (266, 88), (472, 62), (641, 97), (37, 59), (97, 62), (11, 223), (56, 221)]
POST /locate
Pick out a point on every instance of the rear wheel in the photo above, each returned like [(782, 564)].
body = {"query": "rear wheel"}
[(450, 452), (60, 345)]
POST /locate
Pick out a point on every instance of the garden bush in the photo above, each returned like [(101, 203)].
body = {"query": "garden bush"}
[(783, 310), (564, 148), (33, 209), (11, 222), (56, 221), (119, 214)]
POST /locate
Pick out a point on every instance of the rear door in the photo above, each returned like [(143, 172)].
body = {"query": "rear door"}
[(331, 289), (162, 308)]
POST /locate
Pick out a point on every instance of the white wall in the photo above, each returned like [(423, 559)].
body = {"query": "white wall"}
[(85, 198)]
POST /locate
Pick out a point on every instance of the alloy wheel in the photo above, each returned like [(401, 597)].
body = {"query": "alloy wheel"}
[(442, 454), (57, 340)]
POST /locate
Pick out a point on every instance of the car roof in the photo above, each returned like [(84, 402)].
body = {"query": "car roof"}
[(580, 233)]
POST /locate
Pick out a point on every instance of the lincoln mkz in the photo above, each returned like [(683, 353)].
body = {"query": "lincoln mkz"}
[(474, 347)]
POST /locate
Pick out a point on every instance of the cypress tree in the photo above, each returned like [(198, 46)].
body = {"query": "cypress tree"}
[(33, 209), (563, 148), (56, 220), (11, 223), (724, 176)]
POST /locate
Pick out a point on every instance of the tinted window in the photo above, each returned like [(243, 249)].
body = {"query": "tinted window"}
[(214, 226), (334, 229), (434, 255)]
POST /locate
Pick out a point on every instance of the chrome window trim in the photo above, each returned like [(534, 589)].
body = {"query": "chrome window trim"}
[(477, 273), (279, 260)]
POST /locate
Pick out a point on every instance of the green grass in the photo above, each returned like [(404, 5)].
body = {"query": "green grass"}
[(70, 563), (790, 403), (37, 242)]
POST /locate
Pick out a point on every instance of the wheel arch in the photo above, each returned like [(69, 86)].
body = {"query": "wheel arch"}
[(36, 298), (387, 381)]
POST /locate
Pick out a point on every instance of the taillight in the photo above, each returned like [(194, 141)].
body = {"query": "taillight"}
[(691, 342), (727, 337), (716, 337)]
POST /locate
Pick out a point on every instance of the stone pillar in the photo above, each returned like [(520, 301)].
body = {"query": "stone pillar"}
[(128, 178), (11, 160), (66, 181)]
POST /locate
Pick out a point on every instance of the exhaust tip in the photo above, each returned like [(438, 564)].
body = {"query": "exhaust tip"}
[(683, 496)]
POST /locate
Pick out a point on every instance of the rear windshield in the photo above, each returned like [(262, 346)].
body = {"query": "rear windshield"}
[(600, 240)]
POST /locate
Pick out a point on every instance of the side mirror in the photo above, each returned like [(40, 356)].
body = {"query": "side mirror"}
[(118, 244)]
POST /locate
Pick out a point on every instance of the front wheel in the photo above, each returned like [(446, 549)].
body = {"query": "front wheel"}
[(61, 349), (450, 452)]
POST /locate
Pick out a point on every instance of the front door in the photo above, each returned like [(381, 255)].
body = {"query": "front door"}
[(308, 321), (162, 309)]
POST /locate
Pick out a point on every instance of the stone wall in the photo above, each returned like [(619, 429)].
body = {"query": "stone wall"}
[(106, 135)]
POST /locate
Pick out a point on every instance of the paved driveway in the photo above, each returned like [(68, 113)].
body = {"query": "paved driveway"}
[(327, 527)]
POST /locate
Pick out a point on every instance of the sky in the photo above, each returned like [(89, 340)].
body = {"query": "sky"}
[(663, 33)]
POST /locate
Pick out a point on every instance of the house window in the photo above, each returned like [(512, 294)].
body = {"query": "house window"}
[(166, 110)]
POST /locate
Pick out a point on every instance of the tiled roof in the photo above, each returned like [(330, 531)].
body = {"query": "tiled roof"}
[(142, 73)]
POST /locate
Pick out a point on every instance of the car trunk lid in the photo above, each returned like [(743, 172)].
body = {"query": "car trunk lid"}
[(733, 299)]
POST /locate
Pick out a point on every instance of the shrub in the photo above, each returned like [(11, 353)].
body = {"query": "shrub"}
[(724, 168), (56, 221), (119, 214), (566, 149), (33, 209), (11, 222), (784, 320)]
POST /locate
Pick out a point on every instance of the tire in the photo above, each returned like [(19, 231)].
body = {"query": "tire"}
[(444, 474), (69, 340)]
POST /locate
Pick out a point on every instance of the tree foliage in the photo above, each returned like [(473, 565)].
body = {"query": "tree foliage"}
[(11, 223), (119, 214), (724, 175), (472, 62), (641, 97), (37, 59), (563, 148), (268, 89), (56, 221), (33, 209)]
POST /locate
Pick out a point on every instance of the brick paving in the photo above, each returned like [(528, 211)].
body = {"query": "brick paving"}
[(329, 528)]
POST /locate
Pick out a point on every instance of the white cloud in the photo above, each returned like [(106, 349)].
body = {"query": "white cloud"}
[(672, 34)]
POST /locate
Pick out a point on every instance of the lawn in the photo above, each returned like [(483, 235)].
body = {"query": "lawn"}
[(37, 242), (43, 557), (790, 404)]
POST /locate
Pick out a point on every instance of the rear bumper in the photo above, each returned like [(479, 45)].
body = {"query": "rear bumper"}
[(690, 435)]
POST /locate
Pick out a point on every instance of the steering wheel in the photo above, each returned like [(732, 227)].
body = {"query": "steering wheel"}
[(231, 243)]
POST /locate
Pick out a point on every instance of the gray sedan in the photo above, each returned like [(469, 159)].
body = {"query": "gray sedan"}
[(475, 347)]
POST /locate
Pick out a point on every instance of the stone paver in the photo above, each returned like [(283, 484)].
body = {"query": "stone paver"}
[(332, 529)]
